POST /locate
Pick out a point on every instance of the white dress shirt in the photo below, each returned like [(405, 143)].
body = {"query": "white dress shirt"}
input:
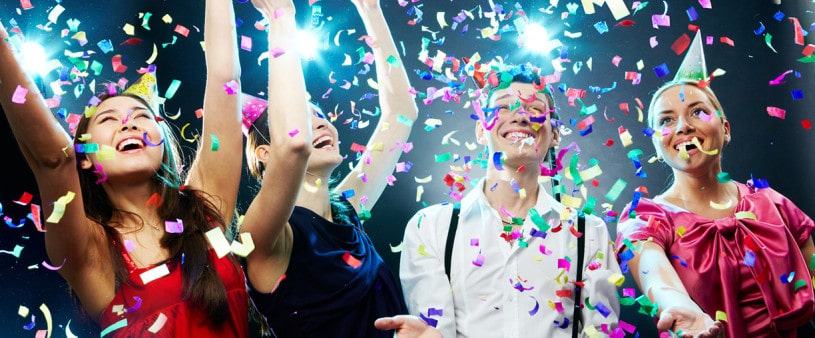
[(513, 292)]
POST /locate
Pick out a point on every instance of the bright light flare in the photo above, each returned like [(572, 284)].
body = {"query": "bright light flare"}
[(33, 58), (308, 45), (535, 38)]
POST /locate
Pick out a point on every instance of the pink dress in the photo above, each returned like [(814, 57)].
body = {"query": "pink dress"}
[(156, 309), (749, 267)]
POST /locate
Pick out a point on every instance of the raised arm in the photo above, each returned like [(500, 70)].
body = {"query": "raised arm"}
[(288, 150), (218, 161), (397, 105), (49, 151), (662, 286)]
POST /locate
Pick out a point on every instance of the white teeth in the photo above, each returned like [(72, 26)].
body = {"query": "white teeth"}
[(128, 142), (683, 145), (323, 139), (518, 135)]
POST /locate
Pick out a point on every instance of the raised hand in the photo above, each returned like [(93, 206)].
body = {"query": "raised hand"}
[(407, 327), (692, 323), (367, 4), (268, 7)]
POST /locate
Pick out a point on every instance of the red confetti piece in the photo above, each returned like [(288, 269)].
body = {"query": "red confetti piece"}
[(609, 143), (25, 199), (727, 40), (154, 201), (351, 260), (625, 23), (184, 31), (807, 124), (681, 44), (131, 42), (777, 112)]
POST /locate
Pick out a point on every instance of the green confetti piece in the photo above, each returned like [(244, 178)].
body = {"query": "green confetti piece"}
[(538, 220), (587, 304), (723, 177), (394, 61), (634, 153), (515, 105), (812, 262), (573, 170), (799, 284), (626, 301), (145, 19), (508, 228), (215, 143), (115, 326), (404, 120), (616, 190), (96, 67), (443, 157), (172, 89), (518, 221), (588, 209)]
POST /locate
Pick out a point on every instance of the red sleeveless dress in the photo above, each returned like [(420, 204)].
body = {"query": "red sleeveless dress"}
[(156, 308)]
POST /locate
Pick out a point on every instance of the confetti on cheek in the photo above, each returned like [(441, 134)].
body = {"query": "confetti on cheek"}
[(151, 144), (19, 95)]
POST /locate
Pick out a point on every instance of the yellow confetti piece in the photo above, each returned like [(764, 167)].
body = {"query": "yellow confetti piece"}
[(59, 207), (22, 311), (423, 250), (591, 331), (423, 180), (218, 241), (313, 188), (153, 56), (522, 193), (440, 18), (683, 153), (721, 316), (470, 146), (591, 172), (184, 134), (47, 314), (625, 138), (745, 215), (245, 246), (378, 146), (397, 248), (681, 231), (699, 146), (640, 65), (639, 115), (419, 192), (84, 137), (572, 202), (347, 61), (616, 279), (718, 206), (129, 29), (167, 18)]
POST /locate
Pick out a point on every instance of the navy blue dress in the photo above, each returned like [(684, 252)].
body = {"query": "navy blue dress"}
[(323, 294)]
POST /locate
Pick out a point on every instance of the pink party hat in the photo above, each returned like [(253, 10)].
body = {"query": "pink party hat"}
[(253, 107)]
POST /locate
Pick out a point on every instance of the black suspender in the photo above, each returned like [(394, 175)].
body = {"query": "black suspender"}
[(581, 245), (451, 235)]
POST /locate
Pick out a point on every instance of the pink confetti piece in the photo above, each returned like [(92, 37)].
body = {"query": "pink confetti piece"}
[(26, 4), (276, 52), (232, 87), (777, 112), (54, 268), (246, 43), (706, 4), (174, 227), (563, 263), (183, 31), (479, 260), (474, 242), (799, 32), (19, 95)]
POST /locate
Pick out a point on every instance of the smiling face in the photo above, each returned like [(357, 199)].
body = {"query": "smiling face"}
[(523, 125), (128, 136), (690, 130), (325, 142)]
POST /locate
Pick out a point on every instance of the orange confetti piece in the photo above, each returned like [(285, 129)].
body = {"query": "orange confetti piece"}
[(154, 201)]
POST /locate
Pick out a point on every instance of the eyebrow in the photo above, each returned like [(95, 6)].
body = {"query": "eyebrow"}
[(497, 98), (692, 105), (111, 110)]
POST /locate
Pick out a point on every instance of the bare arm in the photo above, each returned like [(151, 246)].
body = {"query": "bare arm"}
[(808, 250), (288, 151), (662, 285), (407, 327), (218, 161), (49, 151), (395, 99)]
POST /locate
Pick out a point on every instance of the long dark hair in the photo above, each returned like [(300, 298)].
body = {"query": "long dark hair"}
[(202, 287)]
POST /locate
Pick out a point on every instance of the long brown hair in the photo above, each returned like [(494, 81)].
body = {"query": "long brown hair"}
[(202, 287)]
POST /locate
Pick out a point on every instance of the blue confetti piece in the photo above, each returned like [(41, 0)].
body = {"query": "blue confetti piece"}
[(779, 16), (648, 131), (692, 15), (348, 193), (496, 160), (759, 30), (601, 27), (600, 307), (586, 131), (105, 46), (661, 70), (430, 321), (797, 94), (681, 260), (759, 183), (749, 258)]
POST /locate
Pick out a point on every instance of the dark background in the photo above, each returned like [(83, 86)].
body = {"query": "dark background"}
[(779, 150)]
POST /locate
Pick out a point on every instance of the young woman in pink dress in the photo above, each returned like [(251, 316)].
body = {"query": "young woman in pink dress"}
[(718, 257)]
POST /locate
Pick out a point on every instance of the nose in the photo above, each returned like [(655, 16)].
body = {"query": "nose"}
[(129, 125), (683, 125), (521, 116)]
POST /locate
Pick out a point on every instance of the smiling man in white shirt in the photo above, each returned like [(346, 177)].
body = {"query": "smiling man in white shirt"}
[(514, 259)]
